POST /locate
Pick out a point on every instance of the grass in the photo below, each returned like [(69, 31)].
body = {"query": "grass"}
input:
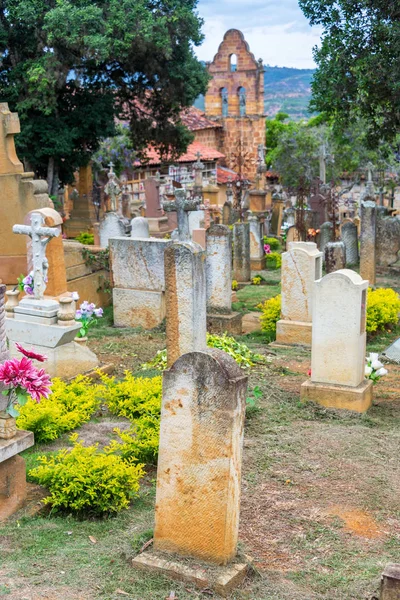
[(251, 296)]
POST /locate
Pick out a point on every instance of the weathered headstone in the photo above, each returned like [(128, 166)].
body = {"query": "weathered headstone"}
[(227, 217), (140, 228), (199, 237), (390, 582), (158, 223), (339, 343), (350, 239), (137, 269), (112, 225), (292, 235), (301, 266), (241, 252), (326, 235), (387, 238), (278, 206), (367, 241), (257, 257), (220, 317), (335, 256), (182, 205), (185, 296)]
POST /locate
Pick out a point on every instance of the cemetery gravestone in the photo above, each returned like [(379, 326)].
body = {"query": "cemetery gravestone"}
[(339, 343), (182, 205), (326, 235), (241, 252), (349, 235), (220, 317), (137, 271), (367, 241), (257, 257), (140, 228), (158, 223), (301, 266), (387, 238), (390, 582), (335, 256)]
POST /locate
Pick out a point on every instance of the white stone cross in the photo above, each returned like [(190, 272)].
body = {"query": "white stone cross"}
[(113, 190), (40, 236), (182, 206)]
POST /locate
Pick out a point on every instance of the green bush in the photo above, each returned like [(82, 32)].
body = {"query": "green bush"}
[(383, 307), (274, 260), (273, 243), (85, 238), (69, 406), (140, 442), (132, 397), (271, 313), (83, 480)]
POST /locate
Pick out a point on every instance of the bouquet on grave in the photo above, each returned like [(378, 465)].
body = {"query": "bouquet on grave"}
[(24, 380), (374, 369), (87, 315)]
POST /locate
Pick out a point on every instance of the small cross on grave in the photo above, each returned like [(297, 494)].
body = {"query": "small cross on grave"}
[(113, 191), (40, 236), (198, 174), (182, 205)]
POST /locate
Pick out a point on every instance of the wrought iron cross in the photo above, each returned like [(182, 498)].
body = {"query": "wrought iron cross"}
[(40, 236)]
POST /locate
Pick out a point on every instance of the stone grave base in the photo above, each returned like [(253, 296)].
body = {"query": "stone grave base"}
[(219, 323), (258, 264), (220, 579), (293, 333), (158, 224), (138, 308), (358, 399), (13, 473), (66, 361)]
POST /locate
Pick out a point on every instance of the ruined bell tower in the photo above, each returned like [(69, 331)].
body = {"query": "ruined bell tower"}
[(235, 99)]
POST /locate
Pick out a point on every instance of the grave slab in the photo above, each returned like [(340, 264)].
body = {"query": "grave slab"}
[(138, 308), (219, 323), (393, 352), (357, 399)]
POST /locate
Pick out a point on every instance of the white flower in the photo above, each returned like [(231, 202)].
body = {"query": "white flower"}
[(376, 364), (368, 371), (382, 372), (373, 356), (75, 296)]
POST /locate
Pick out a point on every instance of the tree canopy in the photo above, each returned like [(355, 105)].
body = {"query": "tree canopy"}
[(70, 66), (358, 62)]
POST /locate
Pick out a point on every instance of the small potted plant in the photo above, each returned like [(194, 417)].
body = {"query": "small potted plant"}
[(88, 315), (22, 379)]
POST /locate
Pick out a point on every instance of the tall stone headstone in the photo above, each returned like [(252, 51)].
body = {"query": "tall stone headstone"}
[(339, 343), (335, 256), (241, 252), (20, 194), (200, 456), (185, 295), (387, 238), (301, 266), (350, 240), (220, 317), (257, 257), (368, 241), (326, 235), (278, 206), (158, 222)]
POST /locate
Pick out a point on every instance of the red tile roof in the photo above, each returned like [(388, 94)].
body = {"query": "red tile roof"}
[(206, 154), (195, 119), (225, 175)]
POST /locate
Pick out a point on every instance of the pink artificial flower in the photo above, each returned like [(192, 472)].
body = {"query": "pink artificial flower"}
[(309, 372), (15, 372), (267, 249), (31, 353), (38, 386)]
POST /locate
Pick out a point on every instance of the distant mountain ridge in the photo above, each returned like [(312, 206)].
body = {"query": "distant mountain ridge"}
[(287, 90)]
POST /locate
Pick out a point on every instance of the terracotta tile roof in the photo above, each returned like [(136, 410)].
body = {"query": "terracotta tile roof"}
[(195, 119), (206, 154), (224, 175)]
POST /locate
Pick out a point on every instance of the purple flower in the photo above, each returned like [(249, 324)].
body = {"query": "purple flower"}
[(98, 312), (28, 290), (78, 314)]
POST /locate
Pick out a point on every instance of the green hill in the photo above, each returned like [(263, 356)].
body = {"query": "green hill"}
[(287, 90)]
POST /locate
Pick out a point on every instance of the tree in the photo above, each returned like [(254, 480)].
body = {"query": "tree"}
[(358, 63), (70, 66)]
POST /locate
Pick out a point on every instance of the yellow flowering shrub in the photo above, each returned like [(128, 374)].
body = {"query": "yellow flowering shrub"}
[(383, 307), (274, 260), (140, 442), (132, 397), (69, 406), (235, 285), (256, 280), (85, 480), (271, 313)]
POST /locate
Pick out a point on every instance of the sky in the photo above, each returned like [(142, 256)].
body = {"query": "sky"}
[(277, 32)]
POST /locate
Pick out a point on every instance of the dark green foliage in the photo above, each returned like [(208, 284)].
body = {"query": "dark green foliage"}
[(69, 68), (358, 63)]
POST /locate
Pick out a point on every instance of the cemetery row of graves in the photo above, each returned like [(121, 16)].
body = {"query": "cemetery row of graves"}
[(225, 424)]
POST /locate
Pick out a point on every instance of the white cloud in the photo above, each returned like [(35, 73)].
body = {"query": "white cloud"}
[(277, 33)]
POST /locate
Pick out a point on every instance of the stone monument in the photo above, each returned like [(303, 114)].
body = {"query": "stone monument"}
[(335, 256), (339, 343), (241, 253), (349, 235), (113, 223), (257, 256), (182, 205), (368, 241), (301, 266), (220, 317)]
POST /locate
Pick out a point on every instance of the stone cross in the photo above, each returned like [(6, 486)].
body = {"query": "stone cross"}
[(113, 191), (182, 205), (40, 236)]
